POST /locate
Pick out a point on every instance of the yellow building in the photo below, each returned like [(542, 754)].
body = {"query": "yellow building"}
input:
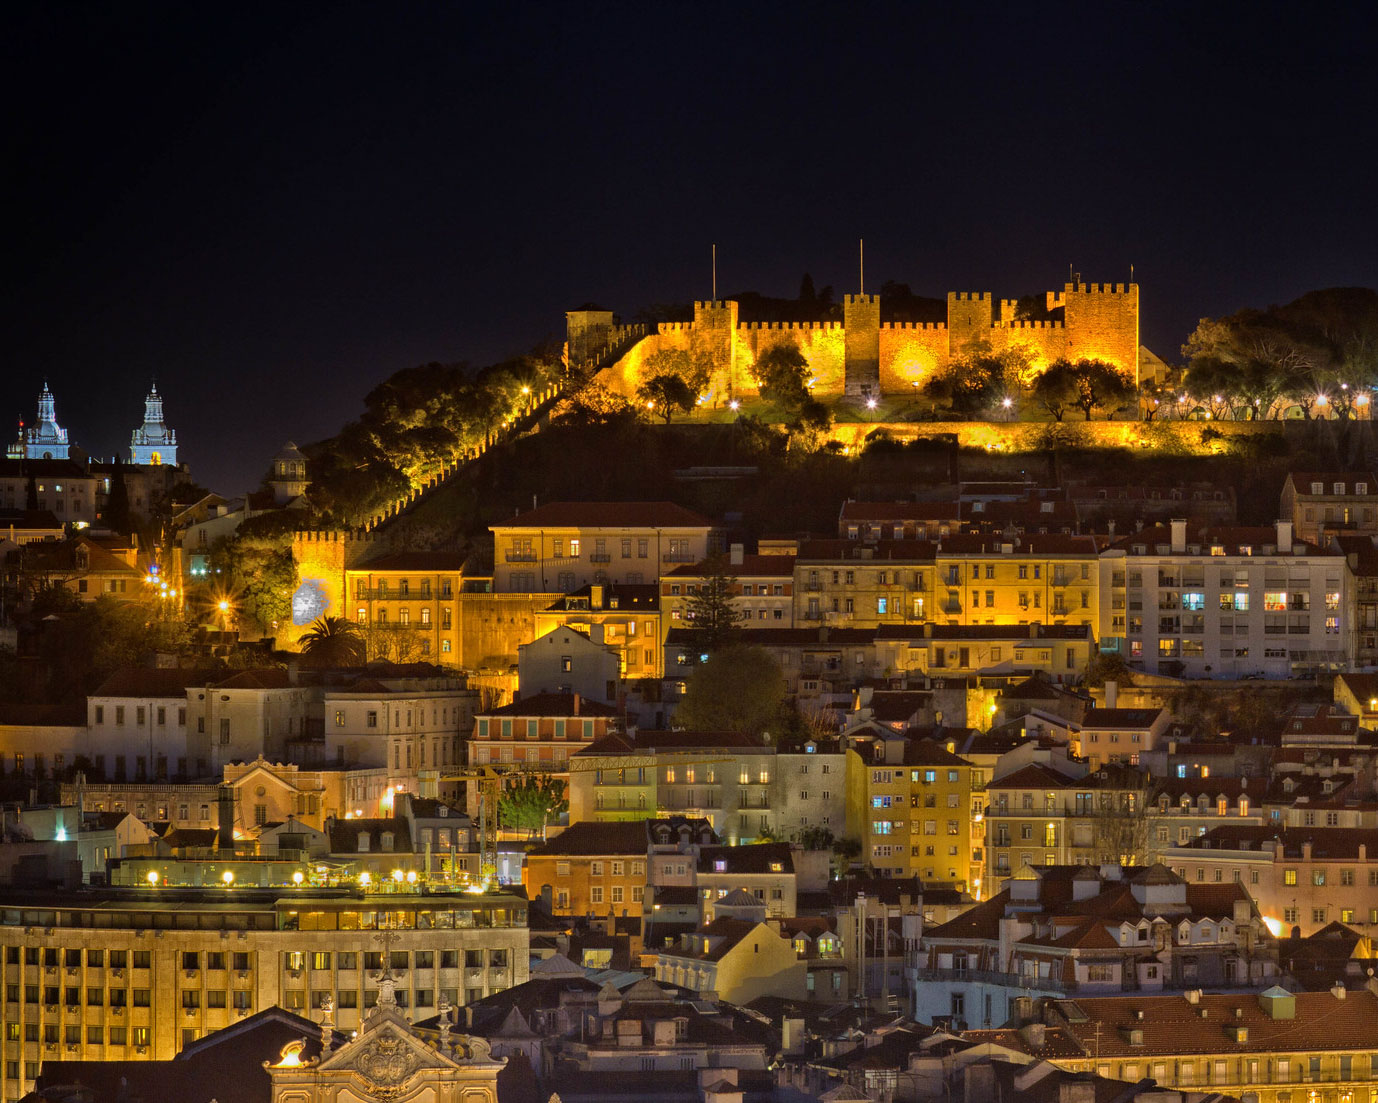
[(848, 584), (406, 605), (1050, 578), (625, 618), (912, 803), (561, 546)]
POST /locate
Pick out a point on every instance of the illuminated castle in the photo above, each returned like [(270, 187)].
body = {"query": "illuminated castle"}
[(154, 443), (861, 355)]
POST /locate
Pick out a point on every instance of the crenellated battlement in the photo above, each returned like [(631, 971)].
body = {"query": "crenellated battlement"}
[(970, 296), (914, 325), (333, 536), (1101, 289), (674, 327), (1024, 323), (713, 304), (797, 326), (869, 300)]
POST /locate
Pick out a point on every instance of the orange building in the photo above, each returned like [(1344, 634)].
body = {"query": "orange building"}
[(595, 869)]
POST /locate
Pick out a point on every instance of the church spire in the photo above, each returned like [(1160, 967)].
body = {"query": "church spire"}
[(154, 443)]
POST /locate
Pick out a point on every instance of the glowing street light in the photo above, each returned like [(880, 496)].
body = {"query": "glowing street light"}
[(151, 877), (870, 404), (228, 878), (734, 405), (298, 877)]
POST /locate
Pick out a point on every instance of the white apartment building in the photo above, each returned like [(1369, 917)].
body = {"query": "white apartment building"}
[(1227, 603)]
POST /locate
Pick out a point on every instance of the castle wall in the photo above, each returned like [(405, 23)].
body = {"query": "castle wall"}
[(323, 557), (1101, 322), (493, 626)]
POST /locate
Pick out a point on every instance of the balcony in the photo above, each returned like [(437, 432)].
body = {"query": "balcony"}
[(520, 556), (600, 557), (1061, 579), (985, 976), (678, 557)]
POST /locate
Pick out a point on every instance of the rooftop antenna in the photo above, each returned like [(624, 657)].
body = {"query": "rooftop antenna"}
[(715, 271), (861, 253), (1131, 273)]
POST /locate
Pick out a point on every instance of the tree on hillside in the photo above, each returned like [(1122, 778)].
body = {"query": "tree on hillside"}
[(333, 641), (738, 688), (1099, 386), (694, 370), (664, 394), (532, 802), (978, 381), (782, 374), (710, 612), (263, 576), (1056, 389)]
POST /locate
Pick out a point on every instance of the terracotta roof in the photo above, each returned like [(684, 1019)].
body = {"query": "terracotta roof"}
[(566, 705), (835, 550), (261, 678), (140, 682), (344, 836), (855, 511), (979, 921), (751, 566), (651, 742), (1120, 718), (757, 858), (1301, 482), (590, 838), (440, 562), (1172, 1025), (1034, 776), (606, 515)]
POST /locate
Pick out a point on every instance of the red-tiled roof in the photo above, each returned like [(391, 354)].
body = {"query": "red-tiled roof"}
[(140, 682), (553, 704), (589, 838), (607, 515), (1034, 776), (421, 562), (751, 566)]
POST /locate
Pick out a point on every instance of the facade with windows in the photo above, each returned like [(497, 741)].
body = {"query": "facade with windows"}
[(1046, 578), (140, 974), (592, 869), (849, 584), (407, 605), (1302, 877), (1227, 603), (1321, 504), (562, 546), (762, 590), (913, 805)]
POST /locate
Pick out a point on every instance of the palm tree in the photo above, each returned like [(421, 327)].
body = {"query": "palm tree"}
[(334, 641)]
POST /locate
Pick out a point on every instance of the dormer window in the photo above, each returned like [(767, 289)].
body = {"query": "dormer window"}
[(1318, 488), (385, 840), (720, 865), (361, 846), (1361, 488), (1339, 488)]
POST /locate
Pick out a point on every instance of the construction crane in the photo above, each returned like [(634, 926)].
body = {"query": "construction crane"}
[(490, 780)]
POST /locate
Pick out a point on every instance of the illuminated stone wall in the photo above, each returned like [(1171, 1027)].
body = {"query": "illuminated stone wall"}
[(323, 557), (1101, 321), (1179, 437), (493, 626)]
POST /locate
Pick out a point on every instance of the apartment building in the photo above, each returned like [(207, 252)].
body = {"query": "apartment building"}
[(1322, 504), (139, 974), (1050, 578), (63, 487), (562, 546), (1273, 1047), (722, 777), (1039, 815), (402, 725), (1229, 603), (1302, 877), (625, 619), (876, 521), (406, 604), (912, 803), (852, 584), (591, 869), (1087, 930), (1120, 735), (762, 589)]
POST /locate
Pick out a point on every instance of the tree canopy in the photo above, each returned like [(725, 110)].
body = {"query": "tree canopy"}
[(738, 688), (532, 802), (664, 394), (710, 612), (782, 374), (333, 641)]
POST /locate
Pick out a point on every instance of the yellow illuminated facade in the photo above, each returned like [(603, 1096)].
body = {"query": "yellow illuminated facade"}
[(1048, 578)]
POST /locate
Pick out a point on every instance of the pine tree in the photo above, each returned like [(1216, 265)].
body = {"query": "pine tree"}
[(710, 611)]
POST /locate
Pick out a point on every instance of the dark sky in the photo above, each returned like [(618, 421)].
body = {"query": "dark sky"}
[(273, 207)]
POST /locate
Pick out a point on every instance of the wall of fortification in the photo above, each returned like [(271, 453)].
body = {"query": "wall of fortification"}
[(323, 557), (492, 626), (1103, 323), (1167, 437), (910, 352)]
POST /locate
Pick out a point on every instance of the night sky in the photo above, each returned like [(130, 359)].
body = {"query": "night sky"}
[(272, 208)]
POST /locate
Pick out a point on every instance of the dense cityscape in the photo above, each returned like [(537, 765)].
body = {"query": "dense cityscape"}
[(674, 554)]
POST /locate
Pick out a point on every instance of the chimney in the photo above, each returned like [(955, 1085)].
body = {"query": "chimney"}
[(1112, 693), (1284, 537), (225, 808), (596, 596), (576, 704), (1179, 536), (1110, 528), (735, 555)]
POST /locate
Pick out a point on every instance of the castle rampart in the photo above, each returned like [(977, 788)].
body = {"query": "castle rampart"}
[(861, 354)]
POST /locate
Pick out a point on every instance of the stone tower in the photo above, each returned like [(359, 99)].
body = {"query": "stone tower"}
[(587, 333), (861, 320), (153, 444), (715, 339), (46, 440)]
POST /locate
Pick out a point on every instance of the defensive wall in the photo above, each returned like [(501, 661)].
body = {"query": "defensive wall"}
[(862, 355), (1168, 437), (323, 558)]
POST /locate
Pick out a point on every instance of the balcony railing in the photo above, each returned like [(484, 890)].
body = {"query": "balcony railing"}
[(678, 557), (600, 557), (520, 557)]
